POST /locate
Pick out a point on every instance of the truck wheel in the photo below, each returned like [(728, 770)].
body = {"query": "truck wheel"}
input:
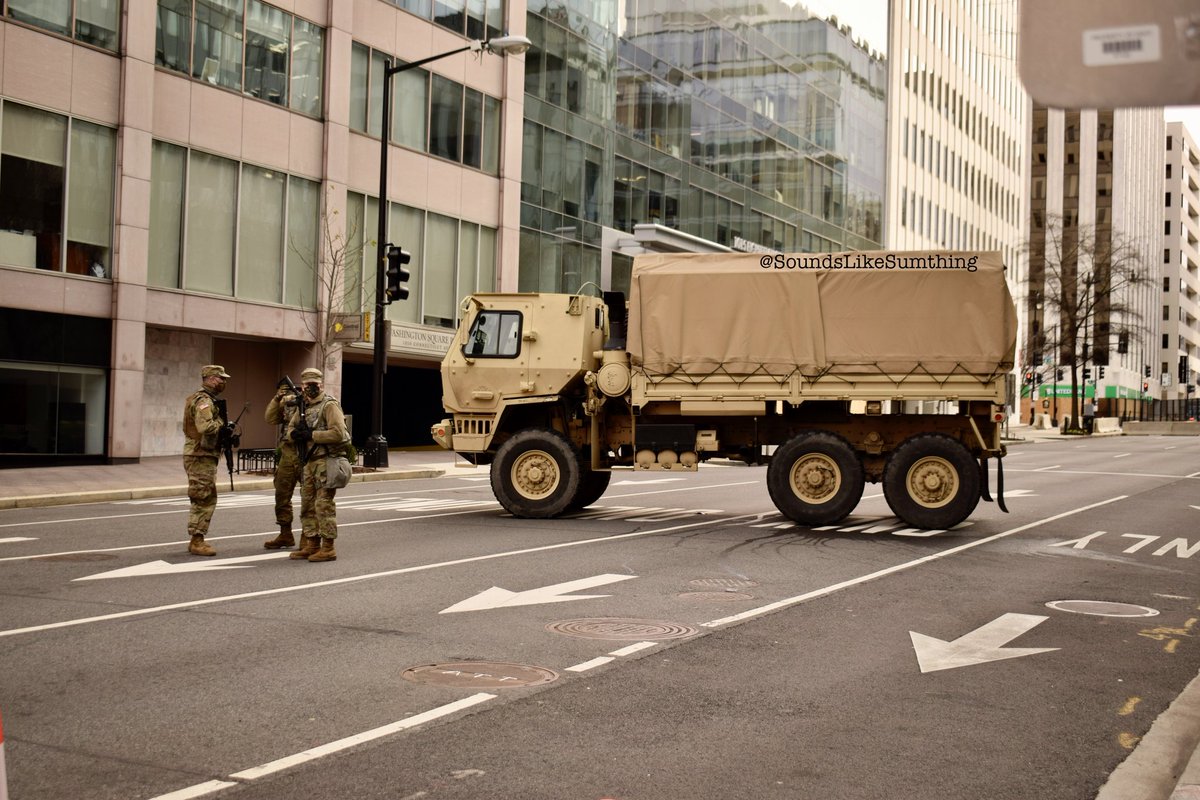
[(536, 474), (815, 478), (592, 485), (931, 481)]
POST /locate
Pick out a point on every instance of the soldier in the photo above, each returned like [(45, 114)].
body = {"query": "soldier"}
[(281, 411), (322, 433), (203, 425)]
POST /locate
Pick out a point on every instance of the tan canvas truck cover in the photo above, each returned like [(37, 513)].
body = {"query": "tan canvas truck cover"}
[(941, 313)]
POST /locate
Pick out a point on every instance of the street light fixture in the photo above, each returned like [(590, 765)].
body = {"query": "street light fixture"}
[(375, 452)]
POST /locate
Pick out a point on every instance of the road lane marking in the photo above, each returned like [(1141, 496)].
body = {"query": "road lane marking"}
[(224, 538), (791, 601), (1110, 474), (82, 519), (1122, 455), (586, 665), (369, 576), (304, 756), (14, 539)]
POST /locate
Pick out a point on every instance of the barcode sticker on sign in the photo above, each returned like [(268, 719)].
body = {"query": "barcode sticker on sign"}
[(1104, 47)]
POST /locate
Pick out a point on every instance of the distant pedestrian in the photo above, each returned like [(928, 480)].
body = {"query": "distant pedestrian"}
[(281, 411), (1089, 416), (320, 435), (203, 422)]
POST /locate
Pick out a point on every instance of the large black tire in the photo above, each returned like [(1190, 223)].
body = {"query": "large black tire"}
[(536, 474), (592, 485), (931, 481), (815, 478)]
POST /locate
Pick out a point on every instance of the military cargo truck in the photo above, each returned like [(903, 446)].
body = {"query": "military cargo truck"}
[(811, 363)]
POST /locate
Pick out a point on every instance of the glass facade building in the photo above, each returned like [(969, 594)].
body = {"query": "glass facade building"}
[(746, 126)]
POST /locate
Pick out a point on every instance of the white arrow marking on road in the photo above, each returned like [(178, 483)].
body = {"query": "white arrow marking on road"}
[(166, 568), (496, 597), (979, 646)]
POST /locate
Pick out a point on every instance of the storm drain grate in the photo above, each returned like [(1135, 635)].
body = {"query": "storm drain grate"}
[(633, 630), (480, 675), (723, 583)]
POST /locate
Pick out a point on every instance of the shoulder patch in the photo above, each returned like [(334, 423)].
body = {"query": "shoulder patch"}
[(202, 403)]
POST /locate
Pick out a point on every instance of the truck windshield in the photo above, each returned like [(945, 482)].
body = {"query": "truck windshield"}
[(494, 334)]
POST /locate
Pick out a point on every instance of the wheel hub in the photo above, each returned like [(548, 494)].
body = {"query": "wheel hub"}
[(535, 474), (932, 482), (815, 478)]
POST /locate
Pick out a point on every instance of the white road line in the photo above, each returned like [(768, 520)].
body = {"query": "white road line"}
[(1110, 474), (85, 519), (287, 762), (1046, 469), (681, 489), (211, 539), (12, 539), (369, 576), (1122, 455), (633, 648), (199, 790), (791, 601), (586, 665)]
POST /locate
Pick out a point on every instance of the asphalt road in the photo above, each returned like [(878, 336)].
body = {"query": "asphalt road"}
[(679, 639)]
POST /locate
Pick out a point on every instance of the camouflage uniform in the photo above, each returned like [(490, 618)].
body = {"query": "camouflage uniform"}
[(202, 424), (329, 438), (287, 466)]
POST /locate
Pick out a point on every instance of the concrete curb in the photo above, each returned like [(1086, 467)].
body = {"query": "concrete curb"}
[(254, 485), (1166, 759)]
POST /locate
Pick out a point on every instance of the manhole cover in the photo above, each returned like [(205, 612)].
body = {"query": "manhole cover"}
[(78, 557), (480, 675), (723, 583), (1102, 608), (633, 630), (715, 597)]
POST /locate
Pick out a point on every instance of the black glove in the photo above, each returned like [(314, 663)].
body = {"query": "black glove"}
[(300, 436), (230, 429)]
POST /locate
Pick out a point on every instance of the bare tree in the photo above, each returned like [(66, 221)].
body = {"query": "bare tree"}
[(338, 271), (1082, 289)]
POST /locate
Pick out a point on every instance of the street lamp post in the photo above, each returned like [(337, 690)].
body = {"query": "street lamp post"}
[(375, 453)]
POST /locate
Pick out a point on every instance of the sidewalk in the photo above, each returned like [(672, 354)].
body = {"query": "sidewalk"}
[(163, 476)]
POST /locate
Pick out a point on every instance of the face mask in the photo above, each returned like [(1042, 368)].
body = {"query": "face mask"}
[(312, 389)]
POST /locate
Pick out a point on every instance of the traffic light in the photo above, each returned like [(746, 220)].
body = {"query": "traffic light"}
[(1039, 378), (1058, 374), (1029, 377), (396, 276), (1183, 369), (1145, 386), (1100, 372), (1087, 373), (1146, 371)]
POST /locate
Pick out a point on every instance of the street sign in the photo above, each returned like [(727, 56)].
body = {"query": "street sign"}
[(346, 327)]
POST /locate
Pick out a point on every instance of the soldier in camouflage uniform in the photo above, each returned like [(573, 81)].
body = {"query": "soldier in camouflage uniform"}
[(202, 428), (324, 435), (281, 411)]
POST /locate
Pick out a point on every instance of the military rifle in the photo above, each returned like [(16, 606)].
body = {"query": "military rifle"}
[(302, 450), (230, 435)]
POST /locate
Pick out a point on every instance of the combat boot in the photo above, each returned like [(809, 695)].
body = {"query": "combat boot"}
[(198, 547), (326, 553), (308, 546), (284, 539)]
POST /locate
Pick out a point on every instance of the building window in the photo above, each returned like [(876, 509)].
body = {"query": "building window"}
[(246, 45), (202, 204), (94, 22), (35, 151), (476, 19), (54, 370), (430, 113), (1168, 203)]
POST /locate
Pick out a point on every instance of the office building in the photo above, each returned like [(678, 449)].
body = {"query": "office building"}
[(1174, 374)]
